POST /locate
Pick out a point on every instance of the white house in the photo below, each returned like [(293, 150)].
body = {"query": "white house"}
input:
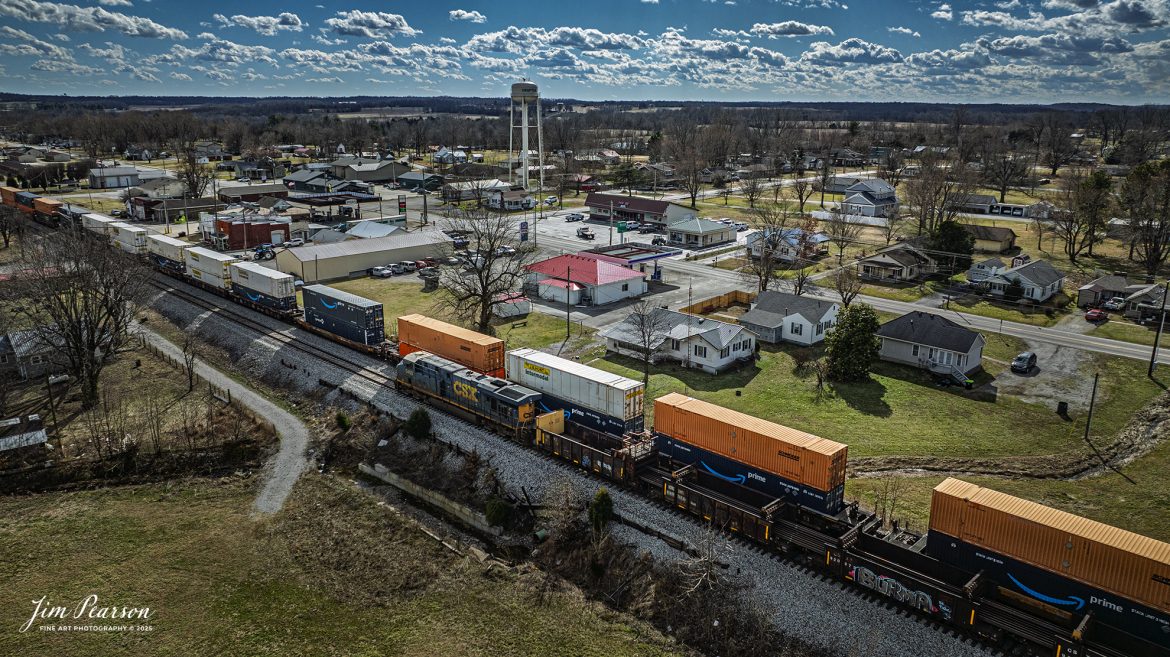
[(1039, 280), (931, 342), (501, 199), (696, 233), (897, 263), (693, 341), (787, 244), (870, 198), (783, 317), (583, 279)]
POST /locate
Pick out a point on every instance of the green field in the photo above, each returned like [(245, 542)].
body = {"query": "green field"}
[(900, 411), (403, 295), (332, 574)]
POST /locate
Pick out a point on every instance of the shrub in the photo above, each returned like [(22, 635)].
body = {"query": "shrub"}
[(343, 422), (498, 512), (600, 509), (418, 425)]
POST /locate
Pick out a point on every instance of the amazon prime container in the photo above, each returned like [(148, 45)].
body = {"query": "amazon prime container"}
[(166, 251), (347, 315), (210, 267), (97, 223), (592, 397), (131, 239), (267, 287)]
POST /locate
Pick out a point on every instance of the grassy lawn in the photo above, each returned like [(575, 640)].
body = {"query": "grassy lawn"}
[(1139, 507), (332, 574), (900, 410), (96, 204), (1121, 329), (909, 292), (1008, 313), (403, 295)]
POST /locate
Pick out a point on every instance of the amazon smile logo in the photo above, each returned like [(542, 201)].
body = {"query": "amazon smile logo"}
[(1071, 601)]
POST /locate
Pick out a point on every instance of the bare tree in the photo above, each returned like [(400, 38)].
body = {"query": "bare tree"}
[(649, 326), (847, 283), (892, 228), (1145, 195), (1002, 170), (802, 188), (893, 170), (936, 193), (703, 571), (752, 189), (1056, 145), (190, 355), (685, 146), (762, 254), (842, 232), (78, 294), (471, 294), (825, 174), (194, 176), (9, 224), (801, 270)]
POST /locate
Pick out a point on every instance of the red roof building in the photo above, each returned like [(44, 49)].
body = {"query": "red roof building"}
[(585, 279)]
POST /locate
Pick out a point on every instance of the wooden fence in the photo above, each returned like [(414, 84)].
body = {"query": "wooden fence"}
[(720, 302)]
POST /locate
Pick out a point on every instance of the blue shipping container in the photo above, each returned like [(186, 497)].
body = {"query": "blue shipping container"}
[(259, 298), (368, 336), (343, 307), (590, 418), (1065, 594), (827, 502), (167, 263)]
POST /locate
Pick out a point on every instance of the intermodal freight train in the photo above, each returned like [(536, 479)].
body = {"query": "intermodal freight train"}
[(991, 565)]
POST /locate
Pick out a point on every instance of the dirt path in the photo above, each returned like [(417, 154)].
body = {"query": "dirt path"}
[(283, 470)]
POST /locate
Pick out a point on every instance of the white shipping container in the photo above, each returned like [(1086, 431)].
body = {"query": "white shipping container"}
[(589, 387), (98, 223), (259, 278), (168, 247), (130, 238), (208, 266)]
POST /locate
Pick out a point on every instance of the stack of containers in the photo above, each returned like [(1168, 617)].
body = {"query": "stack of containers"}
[(261, 285), (26, 201), (97, 223), (131, 239), (167, 252), (343, 314), (8, 195), (475, 351), (590, 397), (210, 267), (1063, 559), (47, 206), (766, 456)]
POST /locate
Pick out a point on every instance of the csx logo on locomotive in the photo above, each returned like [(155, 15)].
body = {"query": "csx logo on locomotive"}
[(465, 390)]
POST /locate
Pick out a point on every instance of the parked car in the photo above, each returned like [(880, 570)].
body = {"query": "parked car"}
[(408, 265), (381, 272), (552, 200), (241, 179), (296, 241), (505, 251), (1023, 363), (659, 241), (396, 269), (1096, 315), (585, 233), (740, 227), (575, 216), (644, 230), (451, 260), (633, 225), (1116, 303)]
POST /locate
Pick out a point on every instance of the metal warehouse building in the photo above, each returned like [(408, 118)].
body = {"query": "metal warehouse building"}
[(327, 262)]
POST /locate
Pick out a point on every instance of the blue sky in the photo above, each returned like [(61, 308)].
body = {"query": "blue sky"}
[(922, 50)]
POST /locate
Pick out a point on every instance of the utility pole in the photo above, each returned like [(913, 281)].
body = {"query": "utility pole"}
[(568, 305), (1158, 335)]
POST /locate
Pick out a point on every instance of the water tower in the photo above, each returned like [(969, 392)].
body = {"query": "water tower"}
[(525, 99)]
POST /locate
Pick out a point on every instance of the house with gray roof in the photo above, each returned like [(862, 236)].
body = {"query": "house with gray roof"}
[(22, 434), (26, 355), (782, 317), (991, 239), (973, 203), (870, 198), (1143, 303), (696, 233), (931, 342), (113, 177), (693, 341), (898, 263), (1102, 289), (1039, 280)]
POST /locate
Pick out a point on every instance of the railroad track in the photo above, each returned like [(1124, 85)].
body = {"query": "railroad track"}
[(242, 319)]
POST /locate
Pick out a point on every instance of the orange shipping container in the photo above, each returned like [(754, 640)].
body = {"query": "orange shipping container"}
[(470, 349), (1093, 553), (795, 455), (46, 205), (8, 194)]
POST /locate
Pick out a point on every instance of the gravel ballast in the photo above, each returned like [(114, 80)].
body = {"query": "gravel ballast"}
[(802, 605)]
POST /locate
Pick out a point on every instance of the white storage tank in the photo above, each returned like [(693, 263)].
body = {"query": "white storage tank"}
[(97, 223), (261, 285), (167, 251), (209, 266), (131, 239), (591, 397)]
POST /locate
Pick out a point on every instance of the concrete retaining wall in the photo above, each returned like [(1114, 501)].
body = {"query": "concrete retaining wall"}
[(464, 513)]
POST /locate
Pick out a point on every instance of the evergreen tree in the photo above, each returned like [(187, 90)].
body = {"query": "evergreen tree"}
[(851, 345), (601, 509), (953, 245), (418, 425)]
